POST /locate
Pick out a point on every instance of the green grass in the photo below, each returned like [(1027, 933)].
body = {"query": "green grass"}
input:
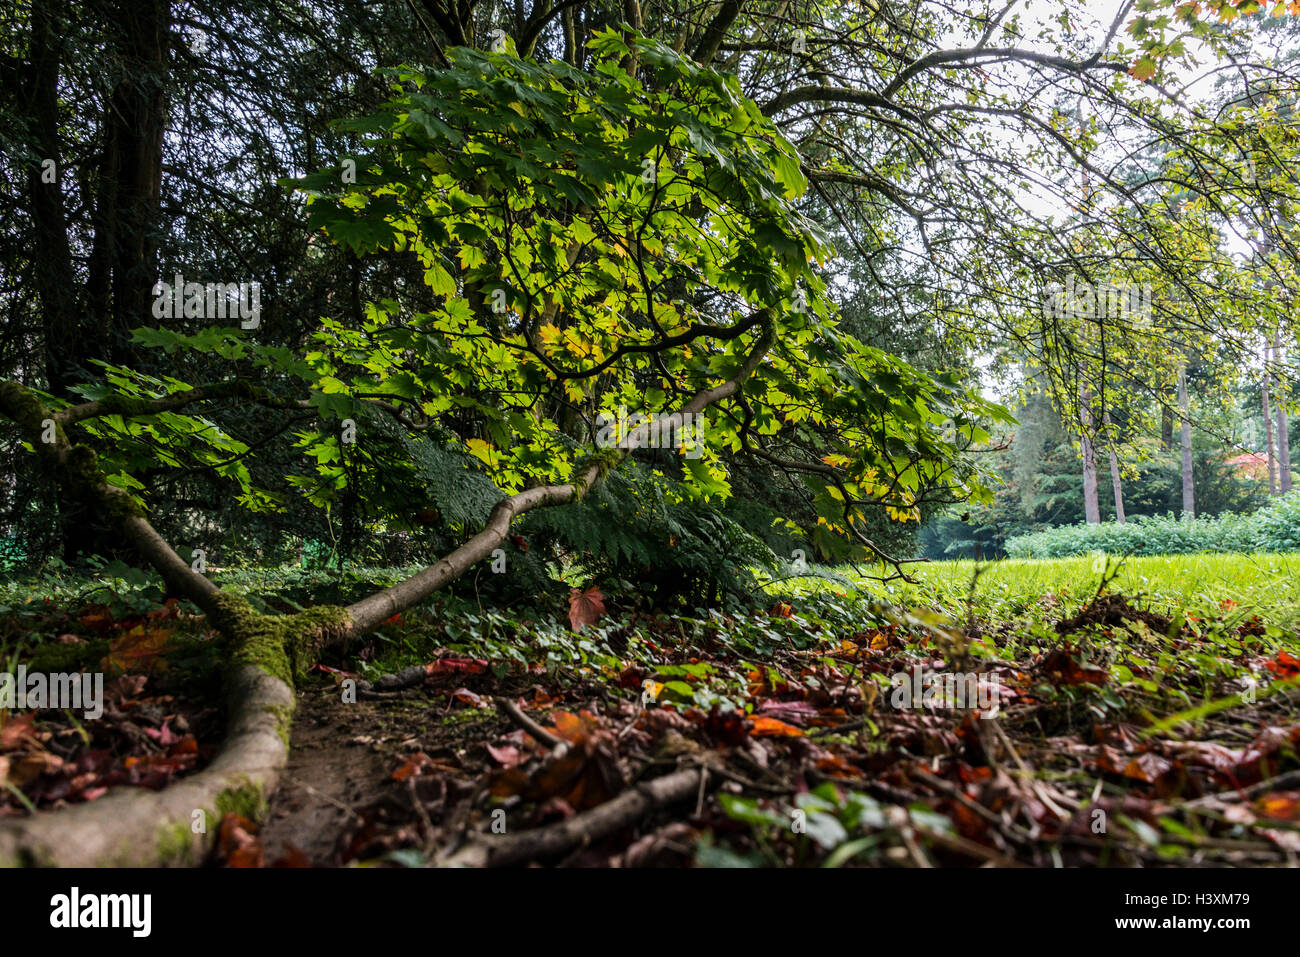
[(1260, 584)]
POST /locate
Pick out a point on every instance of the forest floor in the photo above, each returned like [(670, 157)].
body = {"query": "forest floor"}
[(1038, 713)]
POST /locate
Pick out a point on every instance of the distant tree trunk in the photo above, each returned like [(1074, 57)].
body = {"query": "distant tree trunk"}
[(122, 266), (55, 280), (1116, 486), (1091, 510), (1184, 410), (1166, 428), (123, 261), (1283, 427), (1267, 402)]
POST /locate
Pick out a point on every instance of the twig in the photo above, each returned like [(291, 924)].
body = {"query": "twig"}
[(539, 733), (1290, 779), (1015, 830)]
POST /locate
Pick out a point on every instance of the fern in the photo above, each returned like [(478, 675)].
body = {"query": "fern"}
[(641, 527)]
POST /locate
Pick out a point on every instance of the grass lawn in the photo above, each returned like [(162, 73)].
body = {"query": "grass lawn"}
[(1234, 585)]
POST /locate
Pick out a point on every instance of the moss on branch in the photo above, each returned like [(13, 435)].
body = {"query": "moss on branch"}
[(283, 646)]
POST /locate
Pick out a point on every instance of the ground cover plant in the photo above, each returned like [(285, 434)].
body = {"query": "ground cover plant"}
[(1153, 726)]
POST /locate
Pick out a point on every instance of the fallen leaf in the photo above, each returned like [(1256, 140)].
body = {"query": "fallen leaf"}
[(140, 649), (412, 767), (17, 730), (507, 756), (585, 607), (763, 726)]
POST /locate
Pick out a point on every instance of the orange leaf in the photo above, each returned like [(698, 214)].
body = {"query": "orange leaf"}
[(773, 727), (140, 649), (414, 764)]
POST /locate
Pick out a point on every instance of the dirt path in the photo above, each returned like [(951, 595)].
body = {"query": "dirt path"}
[(332, 772)]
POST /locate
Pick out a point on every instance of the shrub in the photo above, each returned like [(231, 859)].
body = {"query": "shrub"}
[(1274, 528)]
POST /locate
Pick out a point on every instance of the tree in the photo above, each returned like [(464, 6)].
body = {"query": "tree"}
[(580, 231)]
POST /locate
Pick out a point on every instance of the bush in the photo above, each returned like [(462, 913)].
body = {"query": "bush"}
[(12, 554), (1274, 528)]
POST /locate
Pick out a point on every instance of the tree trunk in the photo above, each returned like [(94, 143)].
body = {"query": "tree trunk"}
[(1184, 409), (1283, 426), (55, 281), (132, 166), (122, 265), (1166, 428), (1091, 510), (1267, 402), (1116, 486)]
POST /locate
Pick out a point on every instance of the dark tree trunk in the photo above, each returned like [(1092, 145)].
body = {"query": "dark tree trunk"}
[(55, 281), (122, 267)]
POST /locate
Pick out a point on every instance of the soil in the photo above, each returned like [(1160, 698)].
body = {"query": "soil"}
[(1111, 611), (332, 771)]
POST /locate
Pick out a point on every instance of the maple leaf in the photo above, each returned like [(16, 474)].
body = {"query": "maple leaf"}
[(140, 649), (585, 607), (1143, 69)]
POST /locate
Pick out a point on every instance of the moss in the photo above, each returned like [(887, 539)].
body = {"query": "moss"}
[(51, 657), (127, 405), (605, 460), (246, 800), (176, 844), (19, 404), (283, 720), (283, 646)]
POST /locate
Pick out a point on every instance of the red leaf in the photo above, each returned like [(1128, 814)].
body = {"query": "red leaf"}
[(239, 842), (1286, 666), (414, 764), (447, 666), (585, 607), (140, 649), (465, 696), (1062, 669)]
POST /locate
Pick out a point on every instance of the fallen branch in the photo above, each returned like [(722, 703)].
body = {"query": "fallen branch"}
[(485, 850)]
